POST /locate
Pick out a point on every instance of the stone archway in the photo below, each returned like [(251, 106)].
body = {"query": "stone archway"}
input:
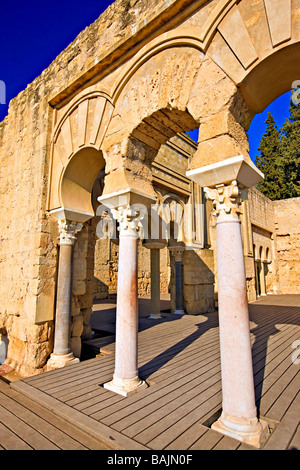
[(215, 70), (76, 161), (218, 81)]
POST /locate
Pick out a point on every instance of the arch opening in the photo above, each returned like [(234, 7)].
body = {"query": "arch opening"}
[(78, 180)]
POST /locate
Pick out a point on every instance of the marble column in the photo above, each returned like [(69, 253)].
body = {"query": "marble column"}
[(177, 253), (239, 414), (155, 248), (125, 378), (62, 354)]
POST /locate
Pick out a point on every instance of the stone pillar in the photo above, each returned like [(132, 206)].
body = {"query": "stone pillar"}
[(177, 252), (125, 379), (155, 248), (224, 183), (239, 414), (62, 354)]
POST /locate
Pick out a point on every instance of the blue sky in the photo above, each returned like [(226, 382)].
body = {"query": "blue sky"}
[(33, 33)]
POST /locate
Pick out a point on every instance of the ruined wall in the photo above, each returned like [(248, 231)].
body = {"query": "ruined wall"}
[(287, 224), (28, 243), (262, 219), (27, 247), (28, 239)]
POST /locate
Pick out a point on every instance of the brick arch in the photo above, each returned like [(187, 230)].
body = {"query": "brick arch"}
[(76, 156)]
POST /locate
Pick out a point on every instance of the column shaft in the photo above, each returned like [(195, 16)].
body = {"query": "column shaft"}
[(125, 379), (63, 302), (155, 283), (177, 251), (236, 358), (126, 366), (239, 414), (179, 286), (62, 354)]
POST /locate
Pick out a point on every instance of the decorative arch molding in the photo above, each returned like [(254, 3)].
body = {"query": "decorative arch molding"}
[(76, 157), (155, 98), (241, 37), (189, 36), (257, 44)]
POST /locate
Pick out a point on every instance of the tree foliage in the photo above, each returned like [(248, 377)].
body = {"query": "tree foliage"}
[(279, 157)]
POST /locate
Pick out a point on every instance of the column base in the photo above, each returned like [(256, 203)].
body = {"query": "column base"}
[(57, 361), (155, 316), (179, 312), (250, 431), (126, 387)]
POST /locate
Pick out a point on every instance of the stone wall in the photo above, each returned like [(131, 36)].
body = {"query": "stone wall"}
[(28, 254), (287, 229), (28, 238), (262, 226)]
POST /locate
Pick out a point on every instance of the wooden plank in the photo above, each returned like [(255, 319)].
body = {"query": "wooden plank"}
[(286, 395), (58, 431), (284, 432), (178, 357), (25, 432), (207, 441), (164, 389), (295, 442), (196, 367), (227, 443), (266, 394), (212, 399), (145, 434), (108, 436), (165, 404), (10, 441), (188, 437)]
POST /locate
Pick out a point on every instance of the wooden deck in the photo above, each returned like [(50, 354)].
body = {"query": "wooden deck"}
[(179, 359)]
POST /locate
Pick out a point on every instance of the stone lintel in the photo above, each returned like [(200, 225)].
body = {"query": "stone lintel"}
[(63, 213), (154, 245), (126, 197), (238, 168)]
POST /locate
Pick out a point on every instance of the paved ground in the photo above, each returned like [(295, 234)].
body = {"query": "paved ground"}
[(179, 359)]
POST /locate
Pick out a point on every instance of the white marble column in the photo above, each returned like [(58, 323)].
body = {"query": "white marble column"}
[(125, 378), (177, 253), (62, 354), (239, 414)]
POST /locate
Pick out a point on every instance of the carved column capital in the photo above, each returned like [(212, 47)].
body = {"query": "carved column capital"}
[(177, 252), (227, 200), (67, 231), (129, 221)]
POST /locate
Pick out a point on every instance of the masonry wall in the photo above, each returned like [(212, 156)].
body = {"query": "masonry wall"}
[(28, 239), (27, 251), (287, 224)]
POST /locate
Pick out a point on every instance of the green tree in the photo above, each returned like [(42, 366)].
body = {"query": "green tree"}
[(290, 148), (270, 161)]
